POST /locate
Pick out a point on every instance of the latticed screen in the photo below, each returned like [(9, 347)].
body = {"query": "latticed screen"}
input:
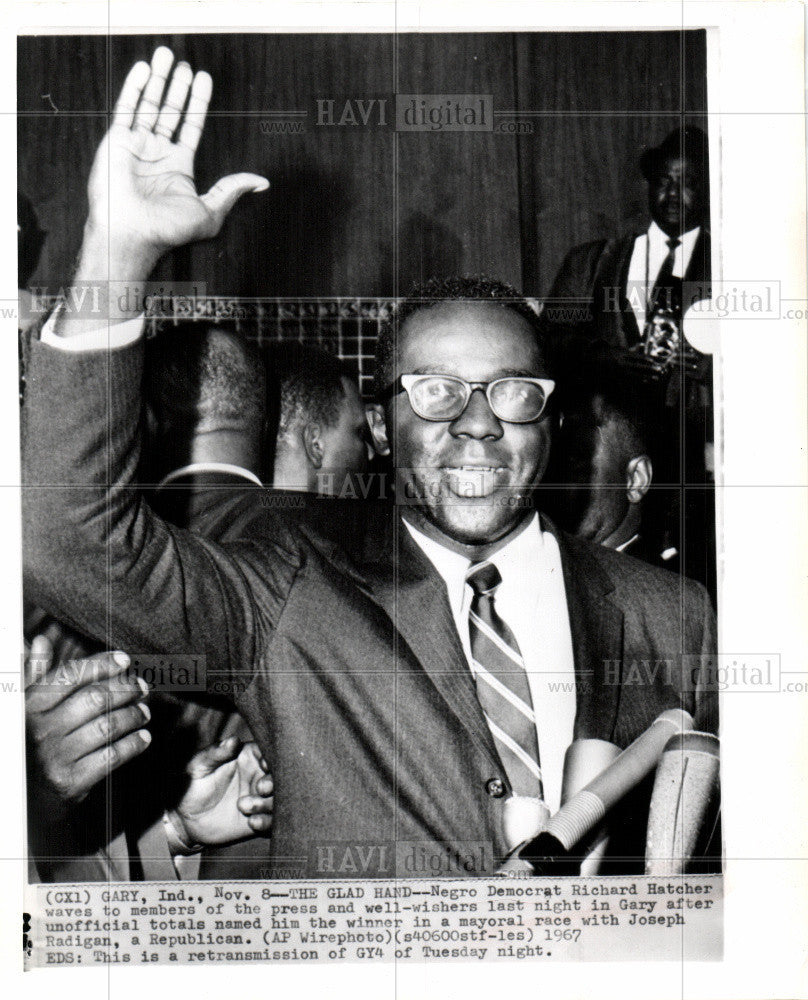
[(347, 327)]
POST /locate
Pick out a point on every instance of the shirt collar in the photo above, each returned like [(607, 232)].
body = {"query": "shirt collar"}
[(196, 467), (521, 552), (658, 239)]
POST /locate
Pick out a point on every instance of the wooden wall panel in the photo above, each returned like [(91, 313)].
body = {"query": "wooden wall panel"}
[(366, 211), (600, 99), (457, 194)]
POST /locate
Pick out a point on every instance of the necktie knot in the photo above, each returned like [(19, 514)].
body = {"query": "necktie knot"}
[(483, 578), (673, 242)]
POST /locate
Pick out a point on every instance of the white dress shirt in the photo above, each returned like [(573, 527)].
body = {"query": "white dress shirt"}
[(532, 601), (650, 250)]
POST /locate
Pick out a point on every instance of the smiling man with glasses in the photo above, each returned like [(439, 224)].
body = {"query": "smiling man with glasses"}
[(413, 674)]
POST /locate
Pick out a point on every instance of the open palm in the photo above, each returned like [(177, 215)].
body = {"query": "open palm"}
[(141, 185)]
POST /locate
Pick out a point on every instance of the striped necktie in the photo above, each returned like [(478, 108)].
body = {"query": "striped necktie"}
[(502, 684)]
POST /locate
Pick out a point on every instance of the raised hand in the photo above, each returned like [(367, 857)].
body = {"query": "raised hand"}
[(84, 719), (229, 796), (141, 186)]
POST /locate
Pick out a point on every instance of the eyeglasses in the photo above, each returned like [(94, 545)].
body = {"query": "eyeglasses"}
[(514, 399)]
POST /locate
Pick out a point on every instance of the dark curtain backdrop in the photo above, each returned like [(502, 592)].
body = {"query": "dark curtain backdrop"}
[(366, 210)]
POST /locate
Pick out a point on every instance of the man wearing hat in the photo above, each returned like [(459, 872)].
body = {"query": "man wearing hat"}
[(634, 287)]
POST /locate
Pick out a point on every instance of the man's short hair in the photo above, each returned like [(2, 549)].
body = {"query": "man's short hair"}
[(613, 393), (689, 141), (476, 288), (205, 377), (629, 420), (305, 384)]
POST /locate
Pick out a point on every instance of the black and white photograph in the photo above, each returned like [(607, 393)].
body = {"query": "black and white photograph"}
[(378, 512)]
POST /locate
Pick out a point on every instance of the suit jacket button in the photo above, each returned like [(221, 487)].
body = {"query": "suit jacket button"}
[(495, 787)]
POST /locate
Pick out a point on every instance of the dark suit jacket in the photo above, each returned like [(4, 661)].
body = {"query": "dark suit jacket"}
[(117, 831), (337, 633), (588, 297)]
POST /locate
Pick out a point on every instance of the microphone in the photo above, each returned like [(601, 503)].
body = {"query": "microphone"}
[(550, 852), (585, 760), (685, 789)]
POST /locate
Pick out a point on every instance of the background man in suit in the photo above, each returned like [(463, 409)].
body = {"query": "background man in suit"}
[(605, 472), (634, 290), (374, 653), (205, 396), (634, 284)]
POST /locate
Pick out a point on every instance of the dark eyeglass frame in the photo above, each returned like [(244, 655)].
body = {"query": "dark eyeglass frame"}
[(404, 383)]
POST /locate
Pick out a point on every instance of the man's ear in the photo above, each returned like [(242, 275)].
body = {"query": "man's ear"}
[(378, 427), (313, 444), (639, 473)]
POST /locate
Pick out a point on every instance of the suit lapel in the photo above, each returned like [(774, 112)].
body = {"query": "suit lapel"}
[(700, 266), (402, 581), (612, 274), (596, 624), (396, 575)]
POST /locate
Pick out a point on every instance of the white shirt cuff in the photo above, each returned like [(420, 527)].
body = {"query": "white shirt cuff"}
[(177, 845), (102, 339)]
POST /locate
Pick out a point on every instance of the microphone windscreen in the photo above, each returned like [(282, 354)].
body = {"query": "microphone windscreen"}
[(523, 817), (577, 817), (585, 760), (685, 789), (584, 810)]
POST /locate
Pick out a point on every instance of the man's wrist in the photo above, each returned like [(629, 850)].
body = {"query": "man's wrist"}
[(109, 286), (179, 840), (116, 256)]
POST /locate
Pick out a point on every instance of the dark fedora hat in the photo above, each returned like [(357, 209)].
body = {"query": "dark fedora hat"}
[(689, 141)]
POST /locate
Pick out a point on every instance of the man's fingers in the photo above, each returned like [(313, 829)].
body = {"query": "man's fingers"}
[(174, 102), (38, 661), (252, 748), (255, 805), (260, 824), (107, 728), (82, 706), (227, 191), (130, 94), (150, 98), (91, 686), (264, 786), (194, 122), (93, 768), (258, 810)]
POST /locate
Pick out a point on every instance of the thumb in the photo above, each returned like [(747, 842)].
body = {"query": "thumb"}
[(227, 191), (249, 767), (206, 761)]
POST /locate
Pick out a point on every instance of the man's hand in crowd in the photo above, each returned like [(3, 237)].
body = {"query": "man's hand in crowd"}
[(142, 196), (84, 719), (229, 796)]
